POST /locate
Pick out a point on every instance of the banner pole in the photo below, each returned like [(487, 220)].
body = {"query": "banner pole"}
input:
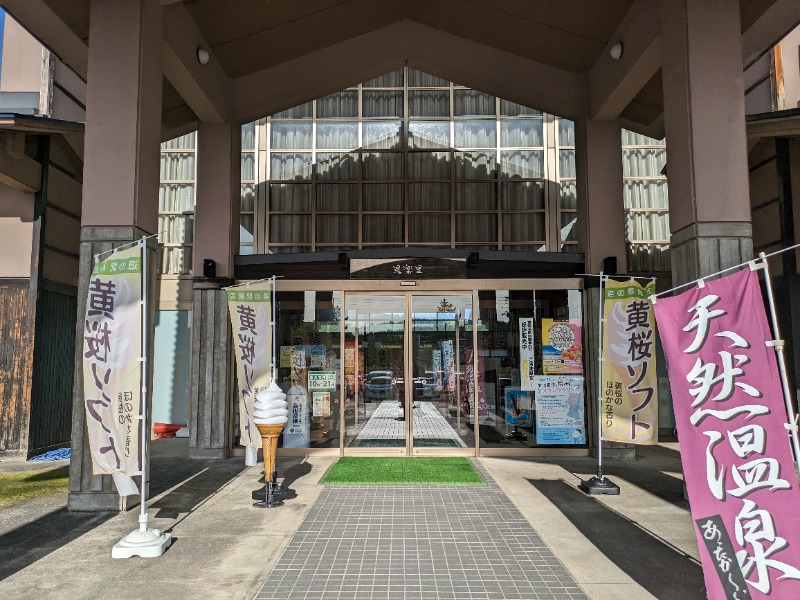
[(600, 381), (145, 542), (273, 280), (143, 517), (777, 343), (599, 484)]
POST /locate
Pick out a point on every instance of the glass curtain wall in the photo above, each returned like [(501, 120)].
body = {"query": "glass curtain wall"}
[(409, 159), (646, 202), (176, 205)]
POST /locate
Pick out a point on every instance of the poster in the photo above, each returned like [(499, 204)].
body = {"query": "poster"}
[(322, 404), (250, 313), (112, 338), (448, 360), (731, 417), (518, 407), (562, 348), (317, 356), (286, 357), (630, 381), (321, 381), (527, 357), (560, 417), (468, 389), (297, 432)]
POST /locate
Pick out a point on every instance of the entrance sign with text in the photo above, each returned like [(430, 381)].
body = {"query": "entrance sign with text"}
[(735, 449)]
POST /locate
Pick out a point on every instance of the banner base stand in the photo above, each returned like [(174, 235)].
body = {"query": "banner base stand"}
[(599, 485), (150, 543)]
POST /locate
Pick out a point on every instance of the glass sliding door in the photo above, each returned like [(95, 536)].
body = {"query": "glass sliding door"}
[(441, 365), (375, 409)]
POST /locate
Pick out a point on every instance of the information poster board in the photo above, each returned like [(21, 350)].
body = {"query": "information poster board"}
[(322, 404), (518, 407), (562, 348), (560, 410)]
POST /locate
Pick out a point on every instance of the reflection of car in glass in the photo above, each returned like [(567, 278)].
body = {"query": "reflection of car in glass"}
[(379, 386)]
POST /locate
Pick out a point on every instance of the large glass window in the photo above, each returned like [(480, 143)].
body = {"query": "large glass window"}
[(416, 161), (646, 202), (176, 205)]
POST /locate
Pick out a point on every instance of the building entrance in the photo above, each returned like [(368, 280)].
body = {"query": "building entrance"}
[(407, 372), (430, 367)]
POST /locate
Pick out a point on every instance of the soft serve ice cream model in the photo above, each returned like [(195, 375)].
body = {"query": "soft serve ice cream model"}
[(270, 414)]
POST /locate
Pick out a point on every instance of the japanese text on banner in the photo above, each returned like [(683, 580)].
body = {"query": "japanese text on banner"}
[(630, 401), (112, 336), (250, 311), (735, 450)]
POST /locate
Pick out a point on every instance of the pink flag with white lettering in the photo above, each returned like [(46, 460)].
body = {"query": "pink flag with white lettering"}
[(735, 448)]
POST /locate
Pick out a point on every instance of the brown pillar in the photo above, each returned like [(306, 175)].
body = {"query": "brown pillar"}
[(120, 185), (706, 140), (216, 237)]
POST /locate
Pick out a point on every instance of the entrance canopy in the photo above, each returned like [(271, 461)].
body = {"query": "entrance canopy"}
[(263, 57)]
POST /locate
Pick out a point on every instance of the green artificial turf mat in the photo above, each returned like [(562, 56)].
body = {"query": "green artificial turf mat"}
[(353, 470), (24, 485)]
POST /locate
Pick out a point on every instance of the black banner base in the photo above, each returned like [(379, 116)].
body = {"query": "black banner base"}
[(597, 486)]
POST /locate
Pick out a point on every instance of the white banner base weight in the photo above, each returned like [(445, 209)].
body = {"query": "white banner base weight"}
[(144, 542), (150, 543)]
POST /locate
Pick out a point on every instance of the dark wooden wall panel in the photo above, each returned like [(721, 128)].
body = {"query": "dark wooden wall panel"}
[(53, 368), (16, 357)]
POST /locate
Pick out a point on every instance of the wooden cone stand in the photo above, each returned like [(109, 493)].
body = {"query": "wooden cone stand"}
[(269, 445)]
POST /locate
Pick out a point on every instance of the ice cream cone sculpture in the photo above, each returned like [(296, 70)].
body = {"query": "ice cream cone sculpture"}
[(270, 415)]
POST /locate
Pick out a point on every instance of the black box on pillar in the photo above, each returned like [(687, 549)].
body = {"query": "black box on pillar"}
[(209, 267), (610, 265)]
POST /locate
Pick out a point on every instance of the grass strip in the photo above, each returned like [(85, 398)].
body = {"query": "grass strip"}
[(25, 485), (357, 470)]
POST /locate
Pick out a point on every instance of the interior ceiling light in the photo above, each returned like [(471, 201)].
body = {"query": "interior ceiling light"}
[(202, 56), (615, 51)]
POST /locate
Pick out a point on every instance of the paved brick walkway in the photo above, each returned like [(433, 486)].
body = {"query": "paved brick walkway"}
[(417, 542)]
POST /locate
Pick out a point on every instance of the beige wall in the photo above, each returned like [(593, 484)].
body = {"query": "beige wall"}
[(22, 60), (790, 57), (16, 232)]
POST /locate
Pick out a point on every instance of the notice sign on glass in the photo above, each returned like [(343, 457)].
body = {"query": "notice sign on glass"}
[(562, 349), (518, 407), (527, 360), (560, 417), (321, 404), (321, 381)]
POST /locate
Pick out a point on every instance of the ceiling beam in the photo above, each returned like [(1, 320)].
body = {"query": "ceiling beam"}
[(775, 22), (445, 55), (205, 88), (37, 17), (613, 84)]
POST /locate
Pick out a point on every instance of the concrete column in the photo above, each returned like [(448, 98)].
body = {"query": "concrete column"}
[(601, 234), (120, 184), (218, 195), (706, 138), (601, 214)]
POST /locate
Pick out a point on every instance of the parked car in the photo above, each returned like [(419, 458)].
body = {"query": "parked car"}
[(380, 386)]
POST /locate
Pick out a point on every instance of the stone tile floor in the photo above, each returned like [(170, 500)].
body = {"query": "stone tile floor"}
[(428, 424), (417, 542)]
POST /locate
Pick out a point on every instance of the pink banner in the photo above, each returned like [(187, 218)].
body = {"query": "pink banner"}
[(735, 449)]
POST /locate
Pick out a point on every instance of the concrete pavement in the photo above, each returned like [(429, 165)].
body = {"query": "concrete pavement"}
[(636, 545)]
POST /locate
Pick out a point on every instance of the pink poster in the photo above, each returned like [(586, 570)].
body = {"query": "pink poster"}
[(736, 454)]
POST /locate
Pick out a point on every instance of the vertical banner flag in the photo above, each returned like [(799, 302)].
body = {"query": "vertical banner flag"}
[(731, 419), (112, 384), (630, 401), (251, 312), (527, 354)]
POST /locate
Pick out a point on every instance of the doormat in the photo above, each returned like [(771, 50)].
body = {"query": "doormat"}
[(357, 470), (421, 442)]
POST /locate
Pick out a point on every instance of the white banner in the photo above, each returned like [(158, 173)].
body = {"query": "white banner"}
[(250, 310), (527, 368), (112, 336)]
